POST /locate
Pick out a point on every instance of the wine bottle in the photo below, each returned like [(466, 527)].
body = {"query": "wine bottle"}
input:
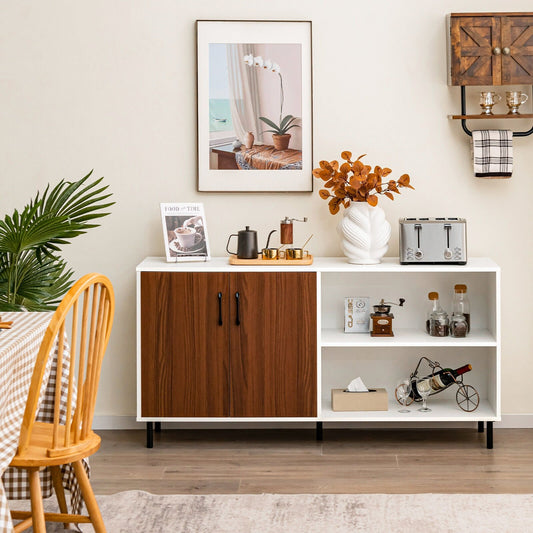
[(439, 381)]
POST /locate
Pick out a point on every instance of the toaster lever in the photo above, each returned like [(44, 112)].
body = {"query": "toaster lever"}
[(447, 253), (418, 254)]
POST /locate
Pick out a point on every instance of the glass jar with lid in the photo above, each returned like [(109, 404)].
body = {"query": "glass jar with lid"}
[(458, 325)]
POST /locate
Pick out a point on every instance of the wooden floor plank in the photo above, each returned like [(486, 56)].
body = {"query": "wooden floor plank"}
[(292, 461)]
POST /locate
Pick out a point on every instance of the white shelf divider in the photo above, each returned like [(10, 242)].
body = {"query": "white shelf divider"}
[(405, 337)]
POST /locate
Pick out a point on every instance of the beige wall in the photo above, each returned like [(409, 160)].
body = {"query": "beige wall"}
[(110, 85)]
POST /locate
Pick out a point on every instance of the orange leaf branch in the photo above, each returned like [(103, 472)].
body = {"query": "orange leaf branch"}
[(353, 181)]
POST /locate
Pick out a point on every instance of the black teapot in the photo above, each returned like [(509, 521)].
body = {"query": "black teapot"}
[(246, 244)]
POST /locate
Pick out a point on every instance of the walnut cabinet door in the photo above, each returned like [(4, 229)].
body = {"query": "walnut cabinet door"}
[(184, 344), (517, 50), (475, 42), (228, 344), (273, 350)]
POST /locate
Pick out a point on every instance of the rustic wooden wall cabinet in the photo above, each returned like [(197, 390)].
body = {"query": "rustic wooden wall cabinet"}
[(490, 49), (217, 342)]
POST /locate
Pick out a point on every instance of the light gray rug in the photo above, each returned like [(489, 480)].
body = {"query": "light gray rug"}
[(137, 511)]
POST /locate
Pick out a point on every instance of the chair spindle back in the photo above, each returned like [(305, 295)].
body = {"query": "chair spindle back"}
[(78, 332)]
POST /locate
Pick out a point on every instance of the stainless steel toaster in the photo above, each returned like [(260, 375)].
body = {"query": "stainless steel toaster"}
[(433, 241)]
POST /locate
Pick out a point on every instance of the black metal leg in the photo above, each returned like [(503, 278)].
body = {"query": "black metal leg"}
[(480, 427), (490, 442), (319, 431), (149, 434), (158, 427)]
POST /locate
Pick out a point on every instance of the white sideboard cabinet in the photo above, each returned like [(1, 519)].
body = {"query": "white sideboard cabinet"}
[(280, 357)]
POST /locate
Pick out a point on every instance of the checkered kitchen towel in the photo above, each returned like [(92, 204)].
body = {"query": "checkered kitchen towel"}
[(492, 153)]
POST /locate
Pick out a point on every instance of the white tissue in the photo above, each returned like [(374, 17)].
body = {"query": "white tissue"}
[(357, 385)]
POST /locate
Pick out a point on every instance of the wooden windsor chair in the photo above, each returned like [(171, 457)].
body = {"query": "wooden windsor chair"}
[(86, 312)]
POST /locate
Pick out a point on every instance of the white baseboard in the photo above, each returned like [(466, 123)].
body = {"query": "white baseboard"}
[(104, 422), (524, 420)]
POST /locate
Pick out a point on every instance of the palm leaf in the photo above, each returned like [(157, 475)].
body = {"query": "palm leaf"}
[(43, 284), (24, 232), (66, 200)]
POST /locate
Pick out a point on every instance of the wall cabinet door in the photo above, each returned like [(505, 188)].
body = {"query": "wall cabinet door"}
[(517, 37), (273, 344), (184, 349), (473, 41)]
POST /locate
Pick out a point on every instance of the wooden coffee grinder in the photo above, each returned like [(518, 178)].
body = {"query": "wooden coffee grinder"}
[(382, 319), (286, 229)]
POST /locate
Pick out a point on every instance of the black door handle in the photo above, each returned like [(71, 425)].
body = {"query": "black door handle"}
[(237, 316), (220, 309)]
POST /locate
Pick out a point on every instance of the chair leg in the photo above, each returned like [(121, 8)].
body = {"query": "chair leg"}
[(37, 509), (57, 480), (88, 497)]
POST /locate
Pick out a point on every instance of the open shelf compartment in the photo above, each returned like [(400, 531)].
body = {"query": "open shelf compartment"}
[(409, 321), (384, 367)]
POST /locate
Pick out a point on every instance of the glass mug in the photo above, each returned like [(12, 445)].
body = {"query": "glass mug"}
[(514, 100), (487, 100)]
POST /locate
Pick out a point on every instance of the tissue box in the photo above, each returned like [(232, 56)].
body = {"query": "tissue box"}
[(373, 400), (357, 315)]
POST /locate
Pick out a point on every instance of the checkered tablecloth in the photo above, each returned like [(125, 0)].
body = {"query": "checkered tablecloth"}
[(18, 350)]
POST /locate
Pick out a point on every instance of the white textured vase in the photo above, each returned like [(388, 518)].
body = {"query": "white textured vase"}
[(365, 233)]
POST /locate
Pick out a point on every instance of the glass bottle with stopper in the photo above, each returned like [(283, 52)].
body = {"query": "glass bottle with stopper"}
[(382, 318), (437, 322), (461, 307)]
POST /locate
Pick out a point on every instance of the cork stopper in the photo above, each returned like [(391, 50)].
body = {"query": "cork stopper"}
[(460, 288), (433, 295)]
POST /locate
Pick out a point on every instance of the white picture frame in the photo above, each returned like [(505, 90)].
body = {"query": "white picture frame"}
[(185, 232), (233, 95)]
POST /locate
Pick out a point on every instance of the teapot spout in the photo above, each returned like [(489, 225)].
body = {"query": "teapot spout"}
[(270, 235)]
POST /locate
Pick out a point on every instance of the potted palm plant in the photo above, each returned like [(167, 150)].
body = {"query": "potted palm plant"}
[(33, 276)]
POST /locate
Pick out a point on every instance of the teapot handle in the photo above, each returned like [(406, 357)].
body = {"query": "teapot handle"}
[(227, 244)]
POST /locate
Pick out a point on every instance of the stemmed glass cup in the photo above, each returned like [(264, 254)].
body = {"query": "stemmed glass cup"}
[(424, 388), (403, 390)]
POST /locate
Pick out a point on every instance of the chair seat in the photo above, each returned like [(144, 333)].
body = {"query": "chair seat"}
[(37, 453)]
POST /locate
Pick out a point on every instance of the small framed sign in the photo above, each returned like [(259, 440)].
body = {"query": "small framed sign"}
[(357, 314), (185, 232)]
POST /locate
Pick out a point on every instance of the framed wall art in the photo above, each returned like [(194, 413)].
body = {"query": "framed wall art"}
[(254, 106), (184, 232)]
